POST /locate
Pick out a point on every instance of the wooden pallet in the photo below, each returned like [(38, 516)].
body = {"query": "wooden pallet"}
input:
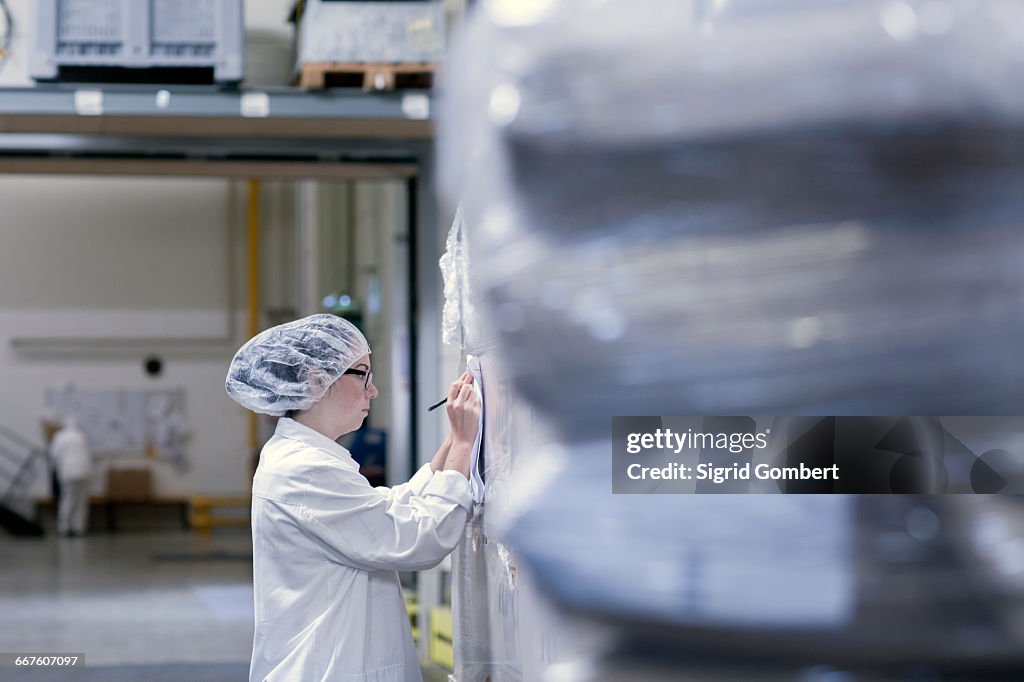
[(368, 76)]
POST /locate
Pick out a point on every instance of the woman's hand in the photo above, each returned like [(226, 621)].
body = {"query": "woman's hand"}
[(463, 409)]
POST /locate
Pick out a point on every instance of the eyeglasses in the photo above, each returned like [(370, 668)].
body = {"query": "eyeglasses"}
[(362, 373)]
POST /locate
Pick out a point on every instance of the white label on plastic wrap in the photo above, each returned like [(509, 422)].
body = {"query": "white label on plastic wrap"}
[(89, 102), (255, 105), (416, 106)]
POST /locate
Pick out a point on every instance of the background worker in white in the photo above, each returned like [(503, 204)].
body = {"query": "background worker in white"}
[(70, 452), (327, 545)]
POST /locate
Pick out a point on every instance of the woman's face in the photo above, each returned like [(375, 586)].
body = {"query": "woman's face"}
[(350, 397)]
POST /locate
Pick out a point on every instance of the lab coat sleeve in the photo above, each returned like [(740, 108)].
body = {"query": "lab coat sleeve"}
[(363, 527), (415, 487)]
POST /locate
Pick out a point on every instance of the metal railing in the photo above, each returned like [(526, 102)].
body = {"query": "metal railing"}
[(17, 464)]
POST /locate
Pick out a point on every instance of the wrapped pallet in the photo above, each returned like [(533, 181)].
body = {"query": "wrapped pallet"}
[(787, 207), (390, 44)]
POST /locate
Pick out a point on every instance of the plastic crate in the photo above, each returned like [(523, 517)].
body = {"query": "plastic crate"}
[(138, 40)]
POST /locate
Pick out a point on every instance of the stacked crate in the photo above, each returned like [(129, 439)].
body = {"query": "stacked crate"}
[(373, 45), (138, 40)]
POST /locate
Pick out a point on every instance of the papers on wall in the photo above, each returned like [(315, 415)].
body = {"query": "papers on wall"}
[(476, 480), (127, 422)]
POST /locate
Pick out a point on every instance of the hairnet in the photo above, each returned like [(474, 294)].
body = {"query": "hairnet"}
[(291, 366)]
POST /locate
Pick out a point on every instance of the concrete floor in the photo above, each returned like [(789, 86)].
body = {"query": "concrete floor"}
[(155, 605)]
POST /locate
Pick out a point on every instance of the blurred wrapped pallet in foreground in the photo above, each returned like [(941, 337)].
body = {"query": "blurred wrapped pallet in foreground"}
[(784, 207)]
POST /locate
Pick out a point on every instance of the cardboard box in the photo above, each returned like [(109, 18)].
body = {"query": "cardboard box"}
[(129, 484)]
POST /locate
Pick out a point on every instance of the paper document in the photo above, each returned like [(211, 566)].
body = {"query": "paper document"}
[(476, 481)]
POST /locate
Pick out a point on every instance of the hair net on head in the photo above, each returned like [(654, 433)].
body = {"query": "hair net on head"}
[(291, 366)]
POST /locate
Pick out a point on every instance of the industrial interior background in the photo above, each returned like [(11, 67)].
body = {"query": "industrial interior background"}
[(701, 207)]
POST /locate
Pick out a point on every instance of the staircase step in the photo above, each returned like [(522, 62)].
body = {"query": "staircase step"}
[(18, 525)]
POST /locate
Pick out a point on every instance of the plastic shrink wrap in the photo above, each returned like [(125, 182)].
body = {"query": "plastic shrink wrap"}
[(464, 320), (813, 210), (502, 630), (787, 207)]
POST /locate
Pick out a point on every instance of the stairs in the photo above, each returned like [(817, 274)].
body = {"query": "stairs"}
[(17, 525), (18, 459)]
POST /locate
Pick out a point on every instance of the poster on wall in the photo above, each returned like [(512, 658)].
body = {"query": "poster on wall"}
[(127, 422)]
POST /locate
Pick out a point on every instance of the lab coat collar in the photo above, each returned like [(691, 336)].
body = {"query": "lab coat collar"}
[(289, 428)]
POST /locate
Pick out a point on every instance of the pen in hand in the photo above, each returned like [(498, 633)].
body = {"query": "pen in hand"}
[(442, 402)]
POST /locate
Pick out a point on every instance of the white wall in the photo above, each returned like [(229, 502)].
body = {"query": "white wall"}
[(126, 259), (65, 230), (130, 259)]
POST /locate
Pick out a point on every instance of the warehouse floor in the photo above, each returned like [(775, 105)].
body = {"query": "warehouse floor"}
[(155, 606)]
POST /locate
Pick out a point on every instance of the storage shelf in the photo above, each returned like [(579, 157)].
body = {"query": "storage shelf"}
[(120, 122), (211, 102)]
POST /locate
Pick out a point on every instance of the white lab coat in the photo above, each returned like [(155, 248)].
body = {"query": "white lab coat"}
[(71, 454), (326, 548)]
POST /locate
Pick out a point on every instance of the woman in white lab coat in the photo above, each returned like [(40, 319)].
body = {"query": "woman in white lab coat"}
[(326, 545)]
